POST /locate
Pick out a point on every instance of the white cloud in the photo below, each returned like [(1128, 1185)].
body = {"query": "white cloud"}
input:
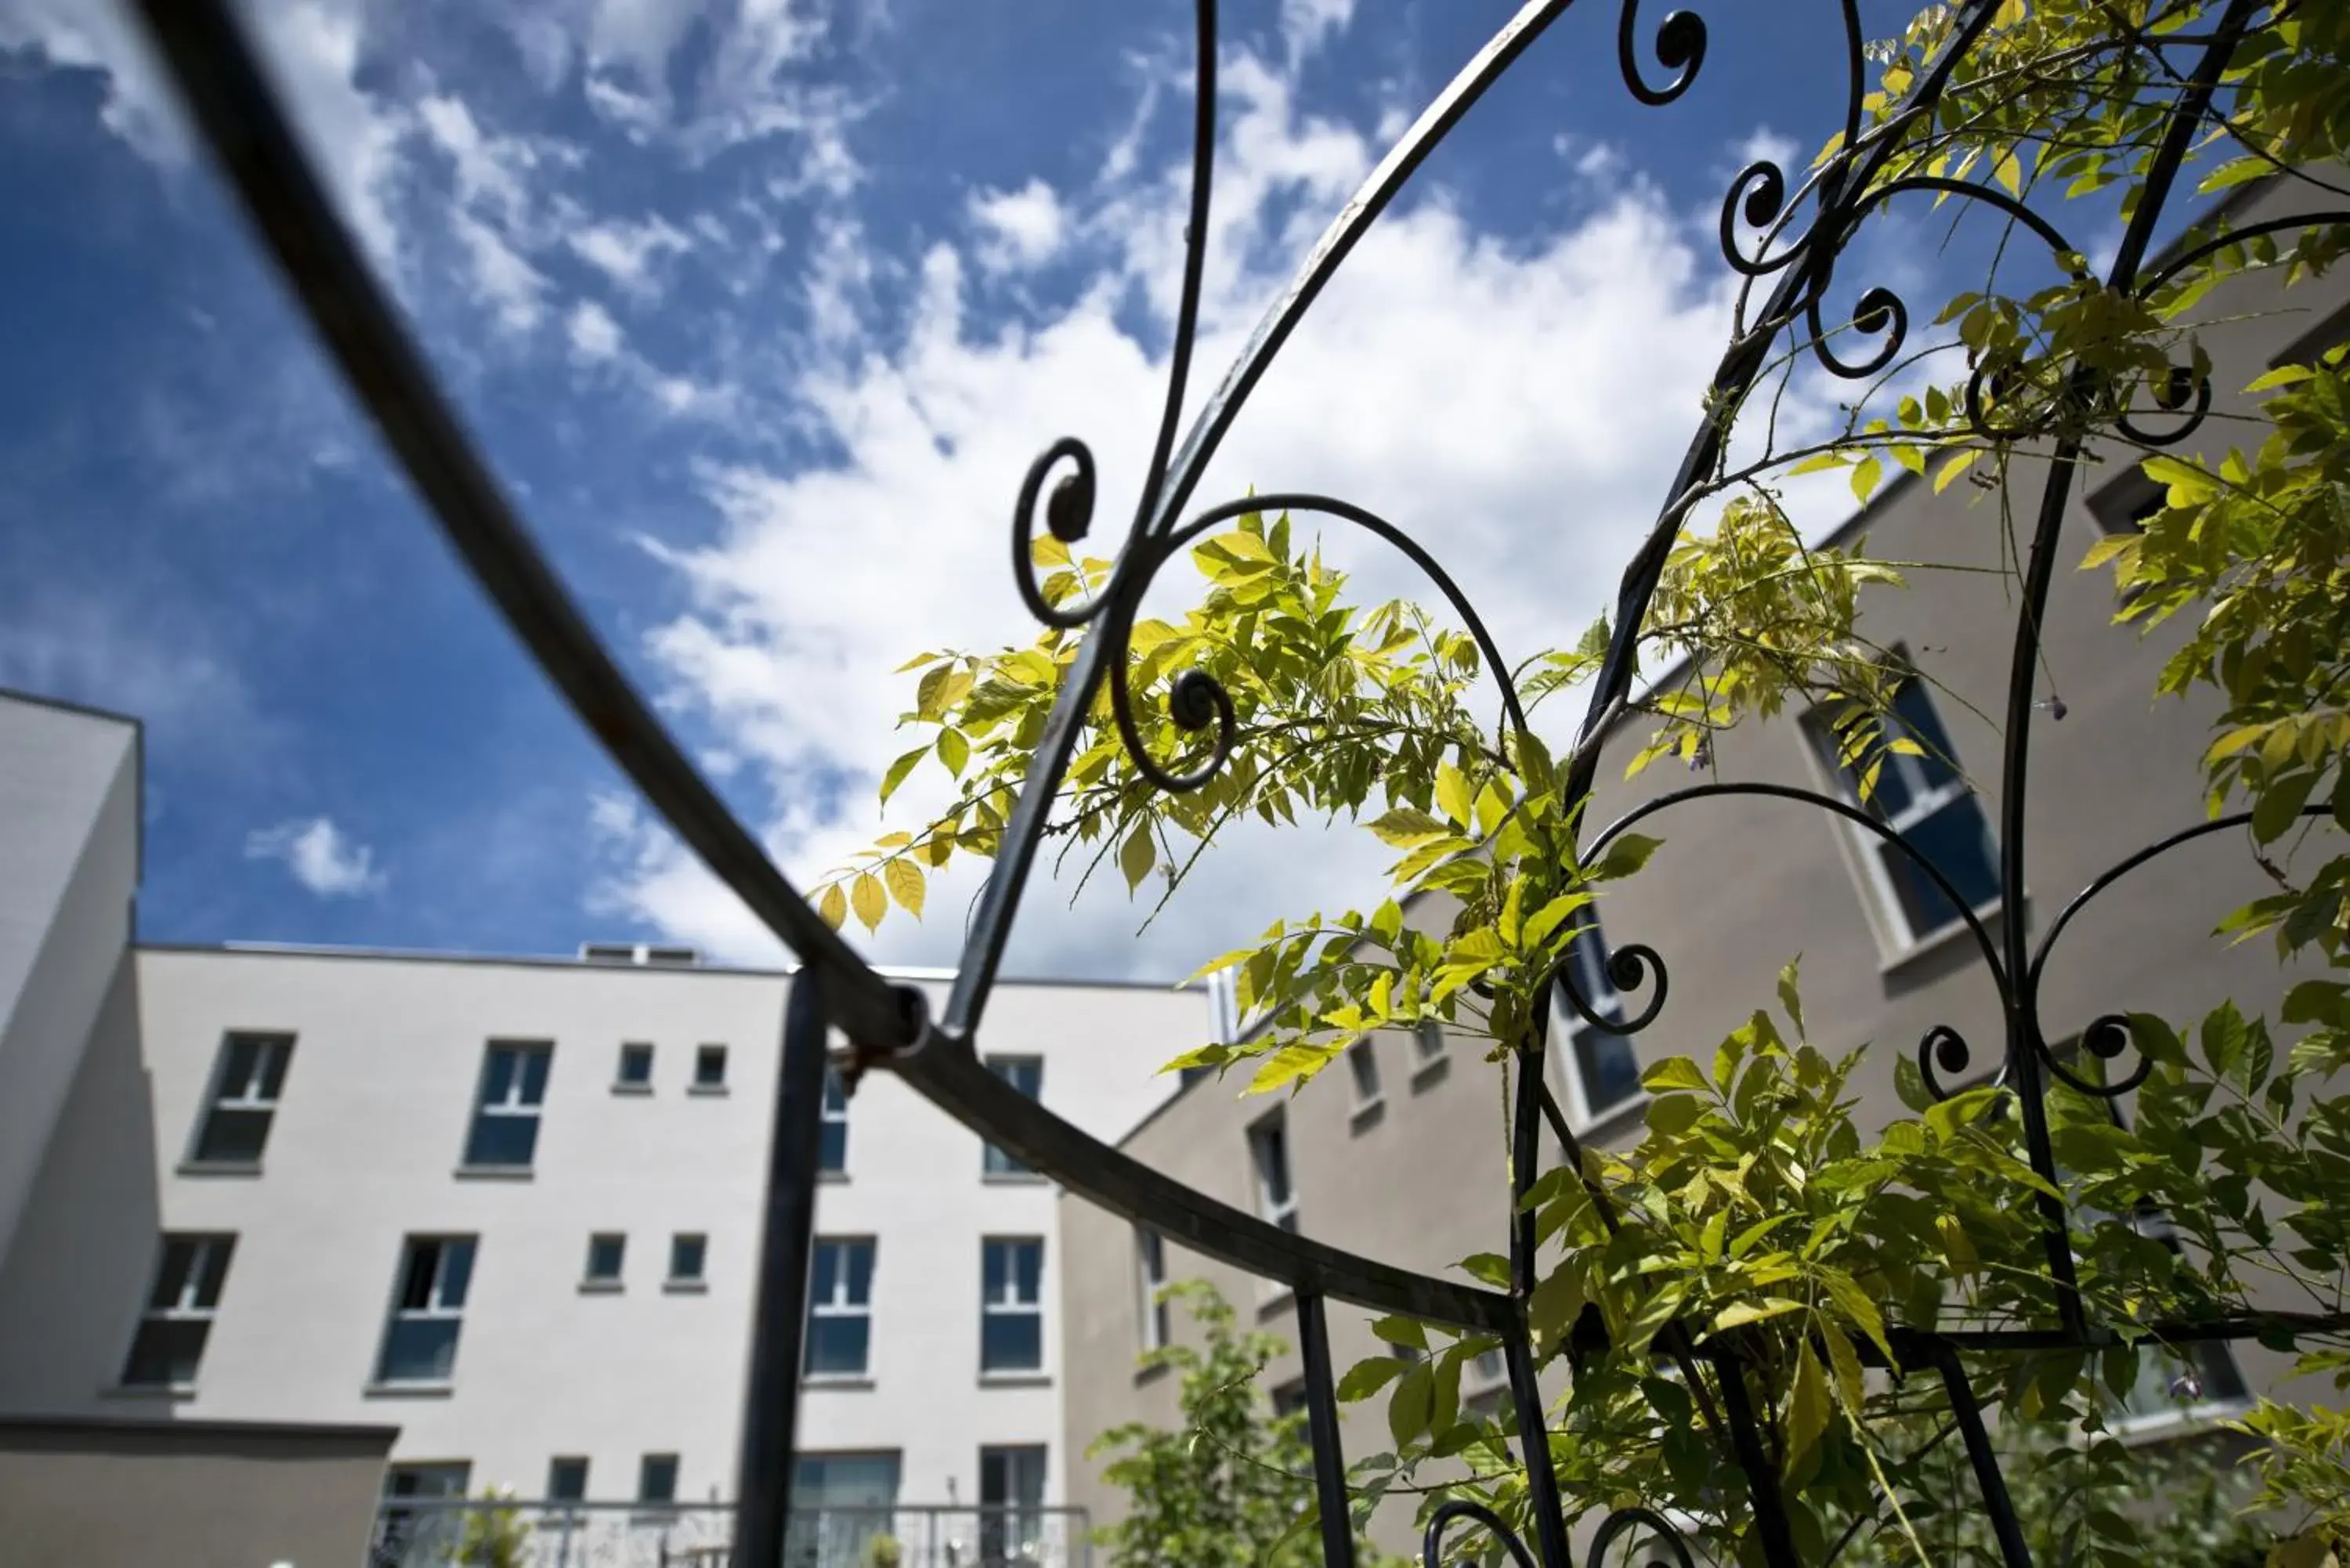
[(321, 856), (1765, 145), (1305, 24), (1022, 228), (1518, 406), (595, 336), (625, 252)]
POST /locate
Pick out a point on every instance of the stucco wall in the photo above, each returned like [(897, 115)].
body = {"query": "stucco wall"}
[(102, 1495)]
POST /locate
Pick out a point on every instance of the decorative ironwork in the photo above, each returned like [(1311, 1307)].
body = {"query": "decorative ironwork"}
[(889, 1025)]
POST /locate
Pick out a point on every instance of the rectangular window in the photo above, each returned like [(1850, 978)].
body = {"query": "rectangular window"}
[(606, 1251), (840, 1308), (1602, 1067), (419, 1343), (1151, 1269), (1276, 1199), (1026, 1073), (506, 1122), (1923, 799), (1289, 1399), (1428, 1040), (636, 1068), (657, 1479), (687, 1252), (420, 1535), (832, 1149), (2124, 504), (245, 1084), (710, 1067), (566, 1479), (1363, 1063), (1012, 1304), (1485, 1386), (839, 1503), (170, 1343), (1011, 1505)]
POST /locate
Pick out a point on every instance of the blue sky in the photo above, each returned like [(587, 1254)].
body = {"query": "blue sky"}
[(760, 310)]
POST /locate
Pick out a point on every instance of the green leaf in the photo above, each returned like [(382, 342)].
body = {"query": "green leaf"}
[(1673, 1072), (1491, 1267), (1626, 855), (1407, 1331), (900, 769), (1549, 918), (1865, 475), (1556, 1303), (1851, 1388), (1454, 796), (1807, 1406), (906, 885), (1366, 1378), (1293, 1063), (1406, 825), (953, 751), (1738, 1312), (1790, 998), (1412, 1403), (1137, 855)]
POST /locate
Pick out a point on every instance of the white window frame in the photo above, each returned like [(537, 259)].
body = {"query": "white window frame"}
[(1486, 1382), (2181, 1415), (1278, 1211), (840, 1304), (250, 1095), (1008, 1302), (1886, 912), (1572, 1026), (435, 1309), (515, 1102), (188, 1306), (1151, 1277), (834, 1114)]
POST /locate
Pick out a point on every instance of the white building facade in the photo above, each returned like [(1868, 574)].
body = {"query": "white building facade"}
[(510, 1206)]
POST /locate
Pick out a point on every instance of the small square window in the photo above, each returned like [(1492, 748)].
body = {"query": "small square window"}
[(566, 1479), (657, 1479), (635, 1069), (710, 1067), (605, 1252), (687, 1251)]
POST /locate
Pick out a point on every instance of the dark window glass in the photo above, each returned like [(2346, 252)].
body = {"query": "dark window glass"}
[(635, 1064), (506, 1122), (1026, 1073), (685, 1256), (250, 1073), (657, 1479), (832, 1153), (710, 1067), (840, 1308), (606, 1254), (566, 1479)]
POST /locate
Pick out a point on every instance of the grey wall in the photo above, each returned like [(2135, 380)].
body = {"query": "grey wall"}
[(68, 867), (1743, 887), (102, 1494)]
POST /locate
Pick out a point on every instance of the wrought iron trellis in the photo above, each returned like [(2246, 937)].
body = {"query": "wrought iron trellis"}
[(888, 1024)]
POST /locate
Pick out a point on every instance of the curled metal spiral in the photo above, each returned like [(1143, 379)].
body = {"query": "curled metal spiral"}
[(1681, 48), (1068, 514), (1988, 386), (1942, 1050), (2173, 394), (2106, 1038), (1628, 969), (1194, 701), (1614, 1528), (1879, 310), (1758, 196)]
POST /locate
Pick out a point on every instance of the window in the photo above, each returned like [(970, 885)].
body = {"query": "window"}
[(605, 1252), (687, 1251), (1026, 1073), (1289, 1399), (2171, 1386), (1364, 1065), (832, 1148), (1485, 1385), (420, 1344), (420, 1535), (1428, 1040), (1012, 1305), (839, 1503), (657, 1479), (635, 1069), (245, 1084), (1923, 799), (1276, 1199), (169, 1342), (2123, 504), (840, 1308), (1011, 1505), (709, 1067), (566, 1479), (1151, 1269), (1603, 1068), (505, 1124)]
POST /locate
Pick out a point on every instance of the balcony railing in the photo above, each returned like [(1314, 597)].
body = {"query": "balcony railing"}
[(476, 1532)]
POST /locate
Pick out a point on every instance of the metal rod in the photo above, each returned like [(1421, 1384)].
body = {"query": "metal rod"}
[(1525, 1386), (763, 1478), (1322, 1427), (1993, 1485), (1770, 1526)]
